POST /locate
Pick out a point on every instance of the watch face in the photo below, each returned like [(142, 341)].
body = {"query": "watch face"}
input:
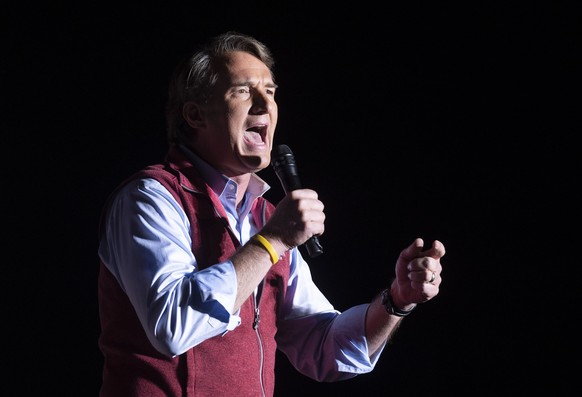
[(386, 302)]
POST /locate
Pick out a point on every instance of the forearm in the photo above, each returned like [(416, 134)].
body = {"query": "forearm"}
[(380, 323), (380, 326), (252, 262)]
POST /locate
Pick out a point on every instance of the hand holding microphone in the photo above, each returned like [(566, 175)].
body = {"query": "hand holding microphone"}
[(283, 162)]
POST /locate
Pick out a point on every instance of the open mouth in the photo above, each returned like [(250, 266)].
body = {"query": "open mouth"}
[(256, 135)]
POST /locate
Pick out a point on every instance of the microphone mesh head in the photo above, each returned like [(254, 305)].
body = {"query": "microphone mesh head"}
[(281, 150)]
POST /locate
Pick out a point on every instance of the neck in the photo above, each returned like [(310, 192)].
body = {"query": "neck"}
[(242, 182)]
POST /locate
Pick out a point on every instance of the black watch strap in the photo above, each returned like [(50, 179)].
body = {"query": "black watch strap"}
[(391, 308)]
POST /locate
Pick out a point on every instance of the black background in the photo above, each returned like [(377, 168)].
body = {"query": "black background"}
[(450, 121)]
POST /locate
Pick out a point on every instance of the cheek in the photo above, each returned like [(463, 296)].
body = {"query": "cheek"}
[(234, 118), (274, 118)]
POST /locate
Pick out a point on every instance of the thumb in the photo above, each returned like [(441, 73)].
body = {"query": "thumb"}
[(406, 255), (413, 250)]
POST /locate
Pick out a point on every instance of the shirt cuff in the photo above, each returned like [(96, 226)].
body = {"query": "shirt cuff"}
[(218, 283), (355, 355)]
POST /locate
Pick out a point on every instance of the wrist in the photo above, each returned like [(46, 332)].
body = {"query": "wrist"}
[(274, 246), (261, 241), (392, 308)]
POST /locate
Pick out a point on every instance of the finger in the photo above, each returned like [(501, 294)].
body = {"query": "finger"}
[(431, 276), (436, 251), (413, 250), (303, 194), (425, 275)]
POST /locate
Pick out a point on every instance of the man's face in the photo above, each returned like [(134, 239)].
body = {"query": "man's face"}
[(237, 125)]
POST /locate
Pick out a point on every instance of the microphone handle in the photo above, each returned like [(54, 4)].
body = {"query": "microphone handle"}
[(290, 181), (284, 165), (313, 246)]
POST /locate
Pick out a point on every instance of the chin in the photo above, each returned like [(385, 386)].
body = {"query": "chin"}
[(255, 163)]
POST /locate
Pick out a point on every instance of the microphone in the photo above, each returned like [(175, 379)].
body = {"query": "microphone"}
[(283, 162)]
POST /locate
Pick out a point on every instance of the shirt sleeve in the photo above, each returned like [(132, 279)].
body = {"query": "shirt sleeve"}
[(335, 340), (147, 247)]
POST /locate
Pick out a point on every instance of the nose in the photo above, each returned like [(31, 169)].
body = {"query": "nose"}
[(262, 102)]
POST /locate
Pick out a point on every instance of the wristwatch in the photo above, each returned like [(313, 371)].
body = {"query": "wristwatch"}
[(391, 308)]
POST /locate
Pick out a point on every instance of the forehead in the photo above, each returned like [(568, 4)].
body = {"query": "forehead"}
[(242, 65)]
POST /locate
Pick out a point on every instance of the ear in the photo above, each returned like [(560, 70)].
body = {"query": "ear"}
[(193, 115)]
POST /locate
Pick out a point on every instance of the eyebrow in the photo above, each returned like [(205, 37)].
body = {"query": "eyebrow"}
[(250, 83)]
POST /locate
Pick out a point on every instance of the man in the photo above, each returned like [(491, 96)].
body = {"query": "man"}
[(201, 279)]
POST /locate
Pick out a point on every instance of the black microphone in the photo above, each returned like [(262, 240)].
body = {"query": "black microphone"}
[(283, 163)]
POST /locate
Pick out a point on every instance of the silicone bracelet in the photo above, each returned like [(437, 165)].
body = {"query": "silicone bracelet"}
[(266, 245)]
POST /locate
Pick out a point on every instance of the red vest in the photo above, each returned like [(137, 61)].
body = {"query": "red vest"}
[(240, 363)]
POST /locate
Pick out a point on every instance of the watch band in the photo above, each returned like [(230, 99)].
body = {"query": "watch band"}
[(391, 308)]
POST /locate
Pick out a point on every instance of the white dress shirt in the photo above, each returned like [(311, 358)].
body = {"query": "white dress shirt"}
[(147, 247)]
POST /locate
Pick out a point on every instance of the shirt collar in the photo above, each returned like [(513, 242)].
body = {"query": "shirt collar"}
[(218, 181)]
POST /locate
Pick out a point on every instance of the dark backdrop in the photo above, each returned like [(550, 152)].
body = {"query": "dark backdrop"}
[(447, 121)]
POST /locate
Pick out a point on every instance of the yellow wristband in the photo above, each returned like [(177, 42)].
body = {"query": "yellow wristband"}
[(266, 245)]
